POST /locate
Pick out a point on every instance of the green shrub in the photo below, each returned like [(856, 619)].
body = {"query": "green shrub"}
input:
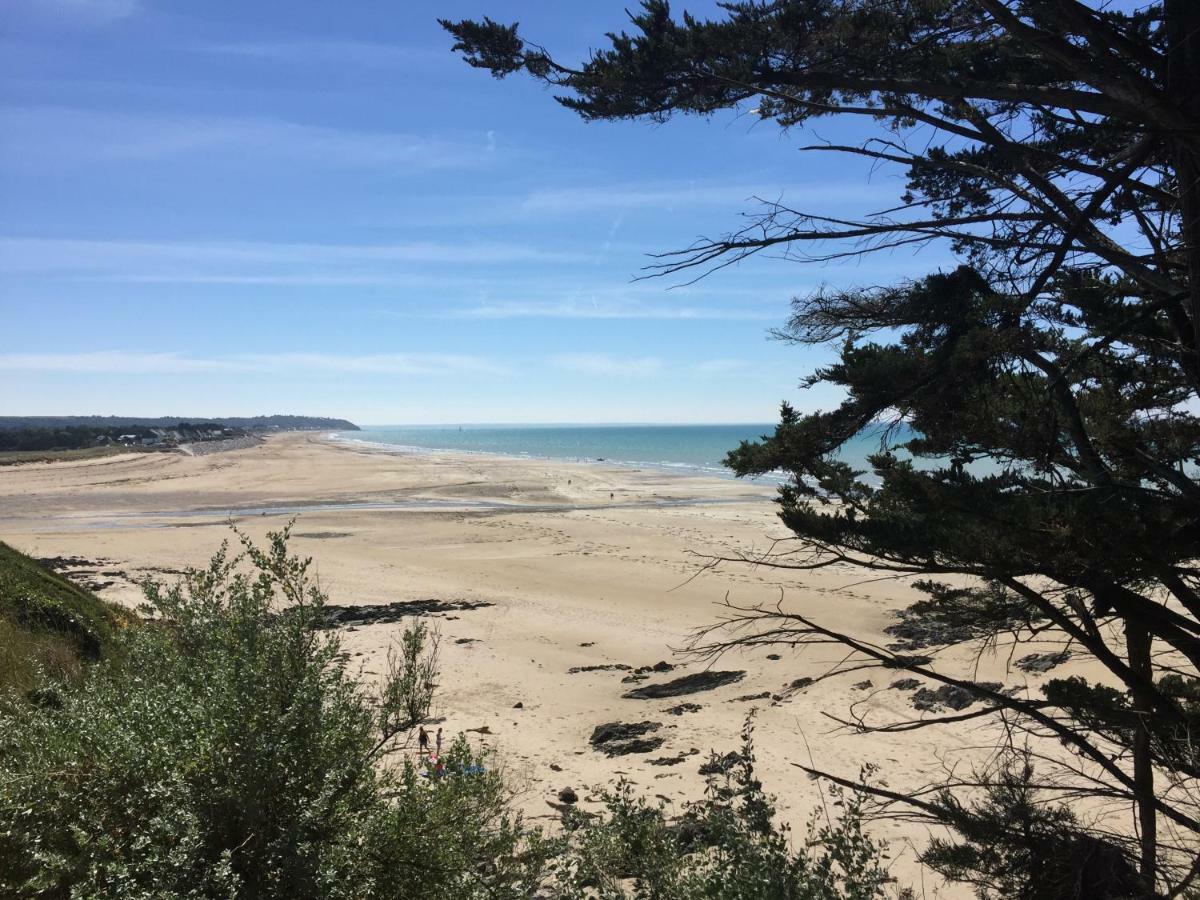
[(231, 753), (727, 846)]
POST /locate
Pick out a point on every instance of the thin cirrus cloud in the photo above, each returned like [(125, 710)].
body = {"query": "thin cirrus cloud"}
[(603, 364), (605, 310), (367, 54), (134, 363), (724, 367), (37, 138), (253, 262), (570, 200), (78, 13), (608, 366), (119, 362)]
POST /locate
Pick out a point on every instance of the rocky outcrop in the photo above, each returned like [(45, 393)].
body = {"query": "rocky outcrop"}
[(688, 684), (951, 696), (621, 738), (335, 616), (1038, 663)]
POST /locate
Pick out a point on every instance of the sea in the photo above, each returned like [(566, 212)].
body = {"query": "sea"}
[(686, 449)]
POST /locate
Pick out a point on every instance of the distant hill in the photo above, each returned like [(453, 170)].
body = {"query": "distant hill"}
[(252, 423)]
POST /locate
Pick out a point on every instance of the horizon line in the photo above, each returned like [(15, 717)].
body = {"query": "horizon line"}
[(568, 424)]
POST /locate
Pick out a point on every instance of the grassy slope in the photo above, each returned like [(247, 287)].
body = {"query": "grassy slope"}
[(47, 622)]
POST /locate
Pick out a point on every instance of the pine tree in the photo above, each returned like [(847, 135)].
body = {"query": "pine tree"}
[(1055, 147)]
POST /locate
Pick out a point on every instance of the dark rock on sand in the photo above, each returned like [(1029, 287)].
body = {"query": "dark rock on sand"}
[(58, 563), (373, 614), (863, 685), (667, 760), (688, 684), (620, 731), (774, 656), (916, 634), (605, 667), (661, 666), (642, 673), (905, 684), (800, 683), (1037, 663), (682, 708), (466, 640), (566, 795), (633, 745), (518, 705), (621, 738), (918, 628), (950, 695)]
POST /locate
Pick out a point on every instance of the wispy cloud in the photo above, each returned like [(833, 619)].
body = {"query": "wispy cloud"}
[(656, 196), (115, 362), (368, 54), (605, 365), (380, 364), (724, 367), (77, 13), (43, 137), (254, 262), (592, 309)]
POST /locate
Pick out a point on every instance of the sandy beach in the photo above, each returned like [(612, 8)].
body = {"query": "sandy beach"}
[(543, 567)]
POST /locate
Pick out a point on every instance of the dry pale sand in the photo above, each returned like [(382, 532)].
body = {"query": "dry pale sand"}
[(574, 578)]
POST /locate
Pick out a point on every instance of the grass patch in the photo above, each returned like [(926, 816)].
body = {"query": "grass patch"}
[(47, 623)]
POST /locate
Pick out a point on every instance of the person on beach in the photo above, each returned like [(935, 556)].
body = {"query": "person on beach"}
[(439, 742), (423, 739)]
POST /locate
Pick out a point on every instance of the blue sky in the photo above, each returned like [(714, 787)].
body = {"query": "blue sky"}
[(230, 208)]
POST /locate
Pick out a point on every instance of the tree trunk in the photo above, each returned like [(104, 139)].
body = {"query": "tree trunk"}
[(1138, 644), (1183, 90)]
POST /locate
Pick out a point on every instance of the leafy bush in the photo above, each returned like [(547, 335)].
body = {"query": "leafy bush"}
[(726, 846), (230, 752)]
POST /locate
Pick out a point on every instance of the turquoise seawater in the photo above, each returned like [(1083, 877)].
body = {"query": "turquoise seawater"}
[(697, 449)]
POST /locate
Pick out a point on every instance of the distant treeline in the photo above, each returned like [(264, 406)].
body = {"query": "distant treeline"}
[(129, 425), (76, 437)]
